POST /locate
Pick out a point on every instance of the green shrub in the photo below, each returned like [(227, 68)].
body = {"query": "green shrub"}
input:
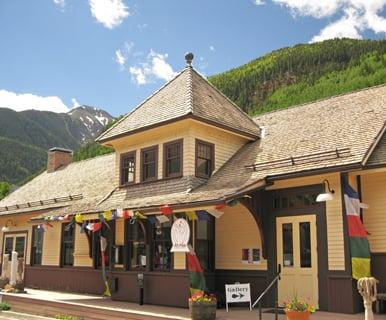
[(4, 306)]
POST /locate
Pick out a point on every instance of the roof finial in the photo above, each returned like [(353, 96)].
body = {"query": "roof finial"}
[(189, 58)]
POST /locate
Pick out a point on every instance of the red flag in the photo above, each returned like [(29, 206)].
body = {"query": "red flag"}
[(97, 226), (166, 210)]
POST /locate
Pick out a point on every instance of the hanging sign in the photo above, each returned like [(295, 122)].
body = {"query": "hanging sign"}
[(180, 235), (238, 292)]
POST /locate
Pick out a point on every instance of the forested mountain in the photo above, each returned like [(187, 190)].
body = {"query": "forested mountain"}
[(304, 73), (26, 136)]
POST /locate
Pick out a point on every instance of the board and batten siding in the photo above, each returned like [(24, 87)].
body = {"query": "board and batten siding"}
[(236, 229), (334, 215), (51, 245), (374, 195), (226, 145)]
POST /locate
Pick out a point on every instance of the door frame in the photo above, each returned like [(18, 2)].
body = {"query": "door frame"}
[(269, 218), (15, 233)]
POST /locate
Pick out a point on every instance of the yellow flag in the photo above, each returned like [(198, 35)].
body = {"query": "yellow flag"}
[(78, 218), (107, 215), (139, 215), (191, 215)]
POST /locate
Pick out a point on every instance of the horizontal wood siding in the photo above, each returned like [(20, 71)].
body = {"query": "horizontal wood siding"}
[(226, 144), (374, 194), (119, 232), (336, 260), (235, 230), (179, 260)]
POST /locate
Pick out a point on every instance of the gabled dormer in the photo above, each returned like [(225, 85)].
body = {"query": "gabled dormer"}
[(186, 129)]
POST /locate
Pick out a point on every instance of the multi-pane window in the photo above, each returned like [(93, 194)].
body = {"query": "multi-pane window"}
[(204, 159), (37, 246), (173, 159), (149, 159), (137, 241), (68, 239), (128, 168), (162, 245), (204, 244)]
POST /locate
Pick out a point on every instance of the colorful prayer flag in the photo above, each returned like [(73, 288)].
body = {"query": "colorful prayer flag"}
[(107, 215), (215, 213), (202, 215), (191, 215), (196, 273), (114, 215), (78, 218), (359, 244), (152, 220), (166, 210), (162, 219), (83, 226)]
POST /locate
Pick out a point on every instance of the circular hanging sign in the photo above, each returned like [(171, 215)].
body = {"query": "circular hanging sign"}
[(180, 234)]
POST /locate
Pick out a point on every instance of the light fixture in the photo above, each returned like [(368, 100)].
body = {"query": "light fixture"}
[(7, 224), (327, 196)]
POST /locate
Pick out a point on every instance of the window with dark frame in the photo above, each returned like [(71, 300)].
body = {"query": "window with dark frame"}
[(37, 246), (127, 168), (204, 242), (68, 240), (173, 159), (149, 163), (161, 246), (204, 159)]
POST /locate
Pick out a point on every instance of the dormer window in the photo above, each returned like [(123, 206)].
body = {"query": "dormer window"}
[(127, 168), (204, 159), (149, 164), (173, 159)]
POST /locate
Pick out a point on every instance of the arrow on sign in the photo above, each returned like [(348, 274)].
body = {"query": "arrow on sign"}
[(234, 296)]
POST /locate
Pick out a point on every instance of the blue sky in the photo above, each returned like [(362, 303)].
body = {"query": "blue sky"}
[(56, 54)]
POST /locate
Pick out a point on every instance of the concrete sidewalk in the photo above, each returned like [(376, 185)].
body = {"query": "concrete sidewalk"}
[(90, 307)]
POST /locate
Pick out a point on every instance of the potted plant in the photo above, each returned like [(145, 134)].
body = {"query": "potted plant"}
[(203, 306), (297, 309)]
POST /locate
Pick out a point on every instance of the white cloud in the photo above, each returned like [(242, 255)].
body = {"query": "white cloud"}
[(60, 3), (110, 13), (211, 48), (75, 104), (155, 67), (119, 57), (28, 101), (354, 16), (259, 2), (348, 26)]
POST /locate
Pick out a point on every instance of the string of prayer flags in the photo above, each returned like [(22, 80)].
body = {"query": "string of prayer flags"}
[(162, 219), (202, 215), (114, 214), (166, 210), (78, 218), (191, 215), (121, 213)]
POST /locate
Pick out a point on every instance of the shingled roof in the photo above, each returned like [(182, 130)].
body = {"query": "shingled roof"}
[(89, 180), (187, 95)]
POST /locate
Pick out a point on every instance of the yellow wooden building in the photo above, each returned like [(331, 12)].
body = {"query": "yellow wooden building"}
[(189, 147)]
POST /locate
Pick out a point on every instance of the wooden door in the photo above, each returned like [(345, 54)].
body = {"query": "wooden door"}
[(297, 254)]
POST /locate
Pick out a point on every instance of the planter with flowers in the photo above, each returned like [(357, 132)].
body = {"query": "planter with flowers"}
[(298, 309), (203, 306)]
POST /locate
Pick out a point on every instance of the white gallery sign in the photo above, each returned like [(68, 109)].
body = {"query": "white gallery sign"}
[(238, 292), (180, 235)]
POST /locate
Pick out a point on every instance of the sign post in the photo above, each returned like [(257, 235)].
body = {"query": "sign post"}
[(238, 292)]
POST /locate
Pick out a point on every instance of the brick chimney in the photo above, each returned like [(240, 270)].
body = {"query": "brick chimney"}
[(57, 158)]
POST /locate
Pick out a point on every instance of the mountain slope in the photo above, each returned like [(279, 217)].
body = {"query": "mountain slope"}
[(304, 73), (26, 136)]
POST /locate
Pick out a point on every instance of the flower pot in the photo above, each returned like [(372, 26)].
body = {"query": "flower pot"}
[(296, 315), (200, 310)]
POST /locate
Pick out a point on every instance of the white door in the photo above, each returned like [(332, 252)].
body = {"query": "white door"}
[(297, 254)]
